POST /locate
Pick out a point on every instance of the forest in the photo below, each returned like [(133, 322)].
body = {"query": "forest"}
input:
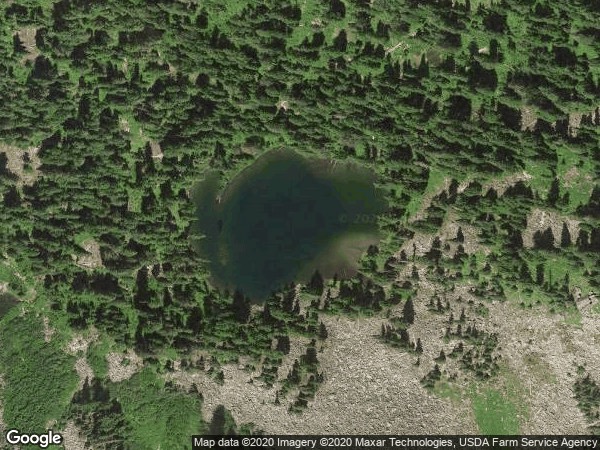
[(480, 118)]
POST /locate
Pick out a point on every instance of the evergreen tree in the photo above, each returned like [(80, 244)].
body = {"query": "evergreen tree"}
[(316, 283), (423, 69), (565, 236), (340, 42), (494, 50), (554, 192), (539, 274), (12, 198), (595, 240), (338, 9), (222, 423), (473, 48), (323, 331), (544, 240), (18, 46), (283, 344), (583, 240), (408, 312), (592, 208), (4, 172), (419, 346), (435, 253), (240, 307), (311, 354), (441, 357)]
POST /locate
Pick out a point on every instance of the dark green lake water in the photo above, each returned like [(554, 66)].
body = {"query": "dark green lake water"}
[(282, 218)]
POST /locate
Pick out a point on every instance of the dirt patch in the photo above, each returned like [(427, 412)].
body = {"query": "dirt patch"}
[(574, 123), (73, 438), (571, 176), (124, 125), (540, 220), (421, 243), (24, 164), (528, 118), (297, 349), (84, 371), (27, 37), (92, 259), (48, 330), (157, 152), (80, 343), (500, 185), (448, 233), (575, 120), (122, 366), (585, 302), (282, 104), (403, 45)]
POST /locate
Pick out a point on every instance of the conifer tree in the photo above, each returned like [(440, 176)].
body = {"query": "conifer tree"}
[(565, 236), (408, 312), (554, 192)]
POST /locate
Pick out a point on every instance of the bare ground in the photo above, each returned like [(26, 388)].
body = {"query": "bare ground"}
[(93, 258), (73, 438), (369, 388), (27, 36), (539, 220), (157, 152), (80, 342), (543, 352), (422, 241), (16, 165), (122, 366), (48, 330), (528, 118), (501, 184), (84, 371)]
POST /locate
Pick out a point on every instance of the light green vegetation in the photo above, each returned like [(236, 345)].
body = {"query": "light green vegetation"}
[(39, 377), (448, 390), (158, 415), (434, 183), (494, 413)]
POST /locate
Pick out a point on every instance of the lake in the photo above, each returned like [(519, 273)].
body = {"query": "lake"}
[(283, 217)]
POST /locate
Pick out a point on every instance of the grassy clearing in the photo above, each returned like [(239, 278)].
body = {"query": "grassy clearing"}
[(445, 389), (80, 238), (494, 413), (434, 182), (97, 357), (576, 174), (159, 416)]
